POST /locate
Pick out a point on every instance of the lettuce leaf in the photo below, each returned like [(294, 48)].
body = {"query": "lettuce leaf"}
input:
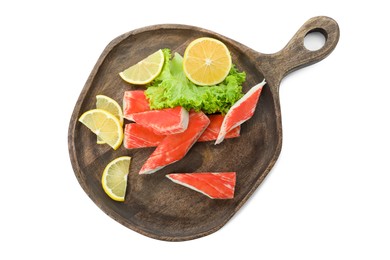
[(172, 88)]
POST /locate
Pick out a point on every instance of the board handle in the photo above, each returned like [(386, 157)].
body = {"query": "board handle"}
[(295, 55)]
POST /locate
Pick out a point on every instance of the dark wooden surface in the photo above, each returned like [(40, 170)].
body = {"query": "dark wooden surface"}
[(155, 206)]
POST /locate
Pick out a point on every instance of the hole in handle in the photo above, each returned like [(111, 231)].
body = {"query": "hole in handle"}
[(315, 40)]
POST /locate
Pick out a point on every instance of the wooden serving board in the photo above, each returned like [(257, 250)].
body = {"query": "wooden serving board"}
[(154, 205)]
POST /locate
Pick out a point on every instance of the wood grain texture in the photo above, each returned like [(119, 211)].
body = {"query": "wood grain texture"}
[(154, 206)]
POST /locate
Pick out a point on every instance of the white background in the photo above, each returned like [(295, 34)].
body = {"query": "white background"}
[(328, 196)]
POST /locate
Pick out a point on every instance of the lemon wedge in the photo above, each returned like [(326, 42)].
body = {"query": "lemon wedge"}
[(105, 125), (111, 106), (144, 71), (114, 179)]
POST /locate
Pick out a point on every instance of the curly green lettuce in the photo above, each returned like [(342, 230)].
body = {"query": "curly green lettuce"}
[(172, 88)]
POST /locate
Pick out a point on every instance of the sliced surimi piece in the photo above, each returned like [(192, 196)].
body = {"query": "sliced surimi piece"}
[(164, 121), (137, 136), (215, 185), (211, 132), (174, 147), (241, 111), (134, 101)]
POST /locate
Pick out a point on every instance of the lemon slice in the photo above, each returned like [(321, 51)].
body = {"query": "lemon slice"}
[(111, 106), (206, 61), (114, 179), (144, 71), (104, 125)]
